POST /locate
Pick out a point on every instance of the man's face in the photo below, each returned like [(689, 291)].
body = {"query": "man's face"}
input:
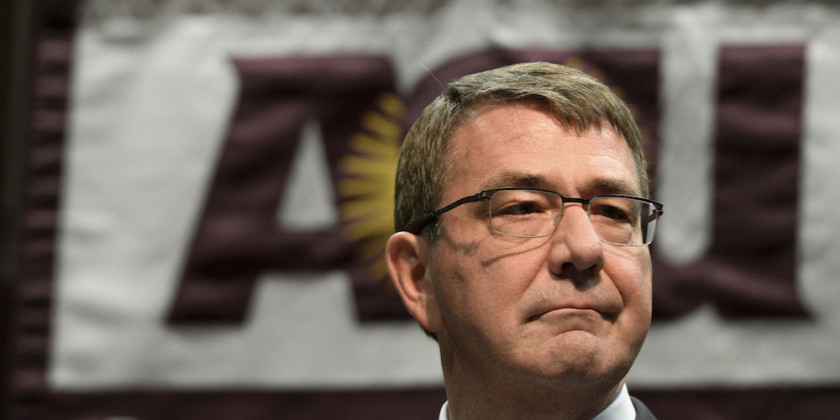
[(564, 310)]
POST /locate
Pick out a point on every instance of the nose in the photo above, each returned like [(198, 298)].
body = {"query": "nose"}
[(575, 248)]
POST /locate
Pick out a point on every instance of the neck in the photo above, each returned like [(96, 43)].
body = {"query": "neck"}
[(512, 405), (487, 395)]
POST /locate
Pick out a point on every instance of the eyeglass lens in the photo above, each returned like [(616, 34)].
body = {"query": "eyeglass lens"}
[(533, 214)]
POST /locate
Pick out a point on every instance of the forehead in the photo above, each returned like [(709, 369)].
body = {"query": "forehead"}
[(498, 144)]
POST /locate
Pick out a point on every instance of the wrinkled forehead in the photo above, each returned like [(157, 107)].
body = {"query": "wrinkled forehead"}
[(505, 139)]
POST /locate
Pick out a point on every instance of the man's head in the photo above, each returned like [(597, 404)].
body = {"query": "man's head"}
[(580, 102), (564, 310)]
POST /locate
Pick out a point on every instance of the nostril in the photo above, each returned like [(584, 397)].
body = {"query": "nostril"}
[(582, 279)]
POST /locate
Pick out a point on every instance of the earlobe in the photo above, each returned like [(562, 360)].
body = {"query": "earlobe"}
[(407, 259)]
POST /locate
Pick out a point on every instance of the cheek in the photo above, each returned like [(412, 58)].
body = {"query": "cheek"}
[(632, 275), (483, 285), (509, 274)]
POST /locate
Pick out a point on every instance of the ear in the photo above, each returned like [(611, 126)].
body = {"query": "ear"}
[(407, 258)]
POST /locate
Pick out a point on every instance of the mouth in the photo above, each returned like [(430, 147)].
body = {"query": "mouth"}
[(557, 322), (572, 313)]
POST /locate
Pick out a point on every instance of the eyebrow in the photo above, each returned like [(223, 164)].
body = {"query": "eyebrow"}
[(514, 179), (613, 186), (527, 180)]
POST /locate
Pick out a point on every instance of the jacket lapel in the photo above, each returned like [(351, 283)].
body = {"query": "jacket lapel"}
[(642, 412)]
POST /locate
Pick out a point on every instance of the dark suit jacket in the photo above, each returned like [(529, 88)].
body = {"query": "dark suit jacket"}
[(642, 412)]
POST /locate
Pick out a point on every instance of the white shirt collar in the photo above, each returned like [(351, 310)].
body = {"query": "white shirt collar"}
[(620, 409), (444, 415)]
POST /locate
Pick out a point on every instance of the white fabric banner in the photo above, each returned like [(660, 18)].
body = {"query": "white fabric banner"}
[(153, 94)]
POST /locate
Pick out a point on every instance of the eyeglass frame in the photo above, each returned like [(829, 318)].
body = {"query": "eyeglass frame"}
[(488, 193)]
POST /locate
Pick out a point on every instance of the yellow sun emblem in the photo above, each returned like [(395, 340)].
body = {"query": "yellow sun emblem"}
[(367, 189)]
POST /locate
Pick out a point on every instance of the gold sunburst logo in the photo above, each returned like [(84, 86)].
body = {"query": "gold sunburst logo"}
[(367, 187)]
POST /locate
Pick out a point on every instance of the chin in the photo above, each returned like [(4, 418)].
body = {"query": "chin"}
[(575, 365)]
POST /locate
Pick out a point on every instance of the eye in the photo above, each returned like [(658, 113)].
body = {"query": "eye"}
[(612, 213), (519, 203), (613, 209), (524, 208)]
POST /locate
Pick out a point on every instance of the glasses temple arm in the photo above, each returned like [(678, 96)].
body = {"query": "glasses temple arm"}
[(429, 217)]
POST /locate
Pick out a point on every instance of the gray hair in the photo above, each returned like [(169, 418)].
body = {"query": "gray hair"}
[(579, 101)]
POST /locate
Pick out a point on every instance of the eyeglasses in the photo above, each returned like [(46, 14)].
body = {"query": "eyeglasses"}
[(535, 213)]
